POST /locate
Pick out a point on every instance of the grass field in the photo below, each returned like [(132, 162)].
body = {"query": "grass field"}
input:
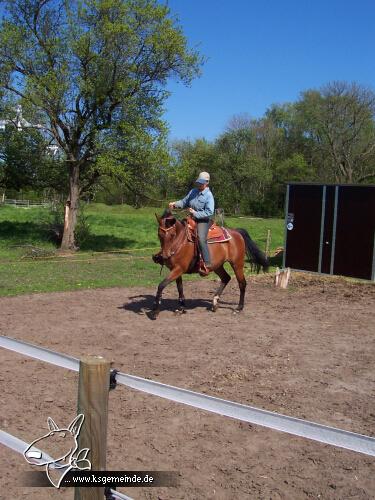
[(116, 253)]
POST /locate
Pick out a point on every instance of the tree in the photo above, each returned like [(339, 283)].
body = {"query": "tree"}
[(292, 169), (188, 159), (25, 162), (246, 153), (339, 121), (85, 70), (292, 132), (134, 158)]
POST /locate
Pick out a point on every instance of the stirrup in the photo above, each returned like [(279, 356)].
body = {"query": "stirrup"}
[(205, 270)]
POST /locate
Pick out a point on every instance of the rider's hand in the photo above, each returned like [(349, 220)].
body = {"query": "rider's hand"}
[(171, 205), (191, 210)]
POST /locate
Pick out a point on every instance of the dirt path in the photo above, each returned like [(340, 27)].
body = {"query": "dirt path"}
[(307, 352)]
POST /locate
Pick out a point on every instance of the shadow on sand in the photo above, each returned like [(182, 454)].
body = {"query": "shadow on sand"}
[(142, 304)]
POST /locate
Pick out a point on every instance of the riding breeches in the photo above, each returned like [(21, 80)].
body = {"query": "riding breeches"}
[(203, 227)]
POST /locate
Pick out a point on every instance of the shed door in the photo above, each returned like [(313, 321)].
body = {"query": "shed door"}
[(355, 227), (303, 227)]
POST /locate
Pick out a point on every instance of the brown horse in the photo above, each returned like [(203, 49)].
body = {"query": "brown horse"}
[(179, 255)]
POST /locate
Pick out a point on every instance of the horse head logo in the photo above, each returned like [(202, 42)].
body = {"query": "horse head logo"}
[(61, 443)]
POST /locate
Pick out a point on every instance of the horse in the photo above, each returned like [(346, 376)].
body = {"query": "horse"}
[(179, 255), (63, 443)]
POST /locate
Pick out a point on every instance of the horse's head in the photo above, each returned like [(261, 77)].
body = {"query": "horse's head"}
[(57, 443), (167, 232)]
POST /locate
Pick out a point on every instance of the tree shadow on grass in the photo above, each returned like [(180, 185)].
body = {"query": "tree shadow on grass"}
[(106, 243), (18, 233), (25, 233)]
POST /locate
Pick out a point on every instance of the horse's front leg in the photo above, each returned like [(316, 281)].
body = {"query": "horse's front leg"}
[(173, 275), (181, 299)]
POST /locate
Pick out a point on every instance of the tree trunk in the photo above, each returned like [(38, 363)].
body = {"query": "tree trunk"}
[(71, 210)]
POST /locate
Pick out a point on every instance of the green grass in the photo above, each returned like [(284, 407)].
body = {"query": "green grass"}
[(22, 227), (111, 256)]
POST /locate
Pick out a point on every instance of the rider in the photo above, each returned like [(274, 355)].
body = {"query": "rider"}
[(201, 205)]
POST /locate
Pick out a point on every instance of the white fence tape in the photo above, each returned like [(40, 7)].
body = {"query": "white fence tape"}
[(40, 353), (283, 423), (298, 427), (20, 446), (120, 496)]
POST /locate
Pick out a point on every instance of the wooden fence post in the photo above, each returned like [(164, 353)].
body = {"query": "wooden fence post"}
[(268, 243), (93, 390), (282, 277), (219, 212)]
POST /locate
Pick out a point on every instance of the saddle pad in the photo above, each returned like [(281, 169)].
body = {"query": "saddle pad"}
[(217, 234)]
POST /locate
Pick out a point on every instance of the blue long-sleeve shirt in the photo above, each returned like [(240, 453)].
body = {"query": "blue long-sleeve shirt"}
[(202, 202)]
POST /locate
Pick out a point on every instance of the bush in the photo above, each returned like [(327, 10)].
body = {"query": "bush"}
[(55, 225), (82, 231)]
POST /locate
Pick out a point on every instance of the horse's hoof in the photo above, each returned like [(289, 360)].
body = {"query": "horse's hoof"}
[(215, 303), (153, 315), (180, 311), (237, 311)]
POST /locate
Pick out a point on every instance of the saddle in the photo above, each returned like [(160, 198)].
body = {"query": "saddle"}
[(216, 234)]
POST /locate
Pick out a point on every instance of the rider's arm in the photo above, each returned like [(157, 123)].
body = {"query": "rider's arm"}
[(184, 202)]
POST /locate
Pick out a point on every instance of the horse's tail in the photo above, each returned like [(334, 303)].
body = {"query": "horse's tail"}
[(256, 257)]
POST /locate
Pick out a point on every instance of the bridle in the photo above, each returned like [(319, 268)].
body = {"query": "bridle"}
[(166, 229), (171, 251)]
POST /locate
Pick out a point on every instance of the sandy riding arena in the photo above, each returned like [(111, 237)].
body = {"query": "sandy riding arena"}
[(307, 351)]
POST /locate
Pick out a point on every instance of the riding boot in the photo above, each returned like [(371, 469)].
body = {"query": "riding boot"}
[(204, 269)]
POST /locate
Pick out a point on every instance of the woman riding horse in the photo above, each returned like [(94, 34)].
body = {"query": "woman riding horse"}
[(201, 205), (178, 249)]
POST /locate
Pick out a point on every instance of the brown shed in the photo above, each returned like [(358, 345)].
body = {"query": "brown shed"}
[(330, 229)]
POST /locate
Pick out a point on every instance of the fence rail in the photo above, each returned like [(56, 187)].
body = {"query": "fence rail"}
[(25, 203), (272, 420)]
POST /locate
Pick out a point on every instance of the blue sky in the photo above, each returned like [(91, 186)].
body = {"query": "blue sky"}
[(266, 51)]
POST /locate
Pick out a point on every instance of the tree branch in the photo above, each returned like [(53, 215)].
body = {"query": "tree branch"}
[(367, 176)]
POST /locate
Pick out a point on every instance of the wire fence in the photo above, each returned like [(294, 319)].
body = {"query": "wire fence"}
[(25, 203), (55, 259), (91, 256)]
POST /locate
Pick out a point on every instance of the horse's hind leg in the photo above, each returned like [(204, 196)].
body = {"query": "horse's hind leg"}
[(225, 279), (181, 299), (238, 270)]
